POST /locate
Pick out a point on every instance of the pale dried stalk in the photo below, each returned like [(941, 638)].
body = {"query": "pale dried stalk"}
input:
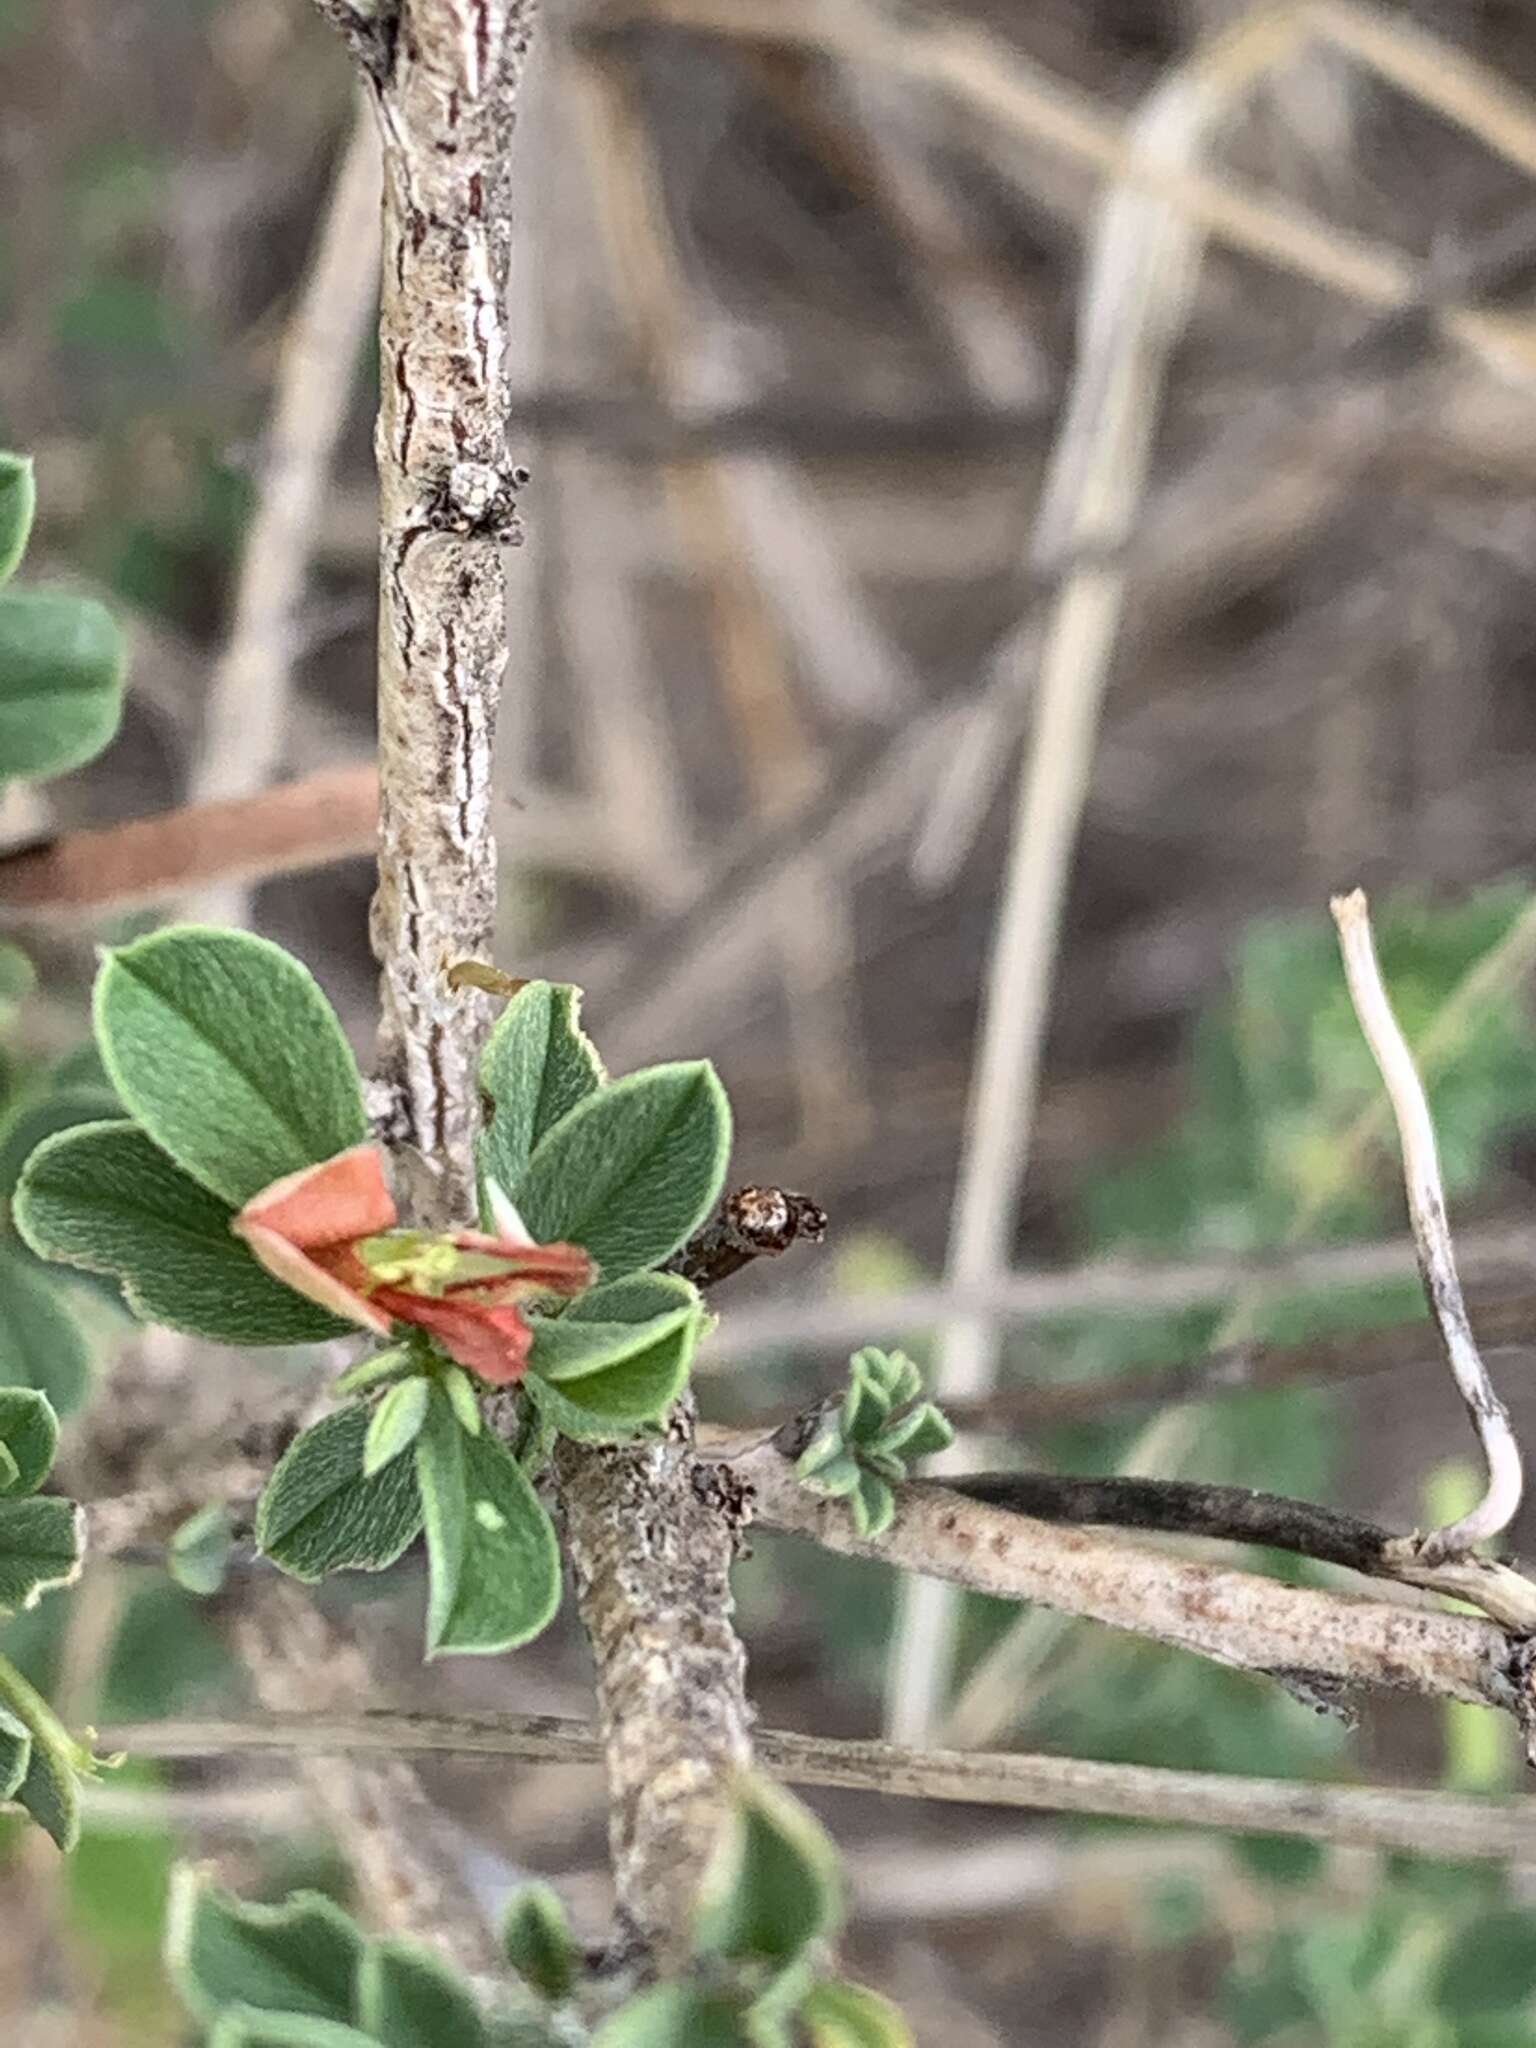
[(1235, 1618), (1432, 1236), (1141, 274), (1377, 1816), (1434, 71), (245, 718)]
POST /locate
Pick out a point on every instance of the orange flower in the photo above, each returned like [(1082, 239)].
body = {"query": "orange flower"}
[(329, 1232)]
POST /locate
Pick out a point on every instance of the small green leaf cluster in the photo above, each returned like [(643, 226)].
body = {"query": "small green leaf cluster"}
[(302, 1975), (1439, 1958), (42, 1539), (864, 1446), (627, 1170), (61, 656)]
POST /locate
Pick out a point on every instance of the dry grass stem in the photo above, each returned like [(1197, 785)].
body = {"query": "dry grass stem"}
[(1432, 1236)]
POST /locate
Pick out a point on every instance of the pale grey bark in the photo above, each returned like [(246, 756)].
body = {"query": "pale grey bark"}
[(652, 1534), (447, 511)]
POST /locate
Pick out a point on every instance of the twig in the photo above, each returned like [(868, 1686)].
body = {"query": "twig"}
[(1238, 1514), (245, 716), (1293, 1633), (328, 816), (1378, 1816), (1437, 73), (1141, 275), (652, 1536), (325, 817), (447, 512), (752, 1223), (1431, 1231)]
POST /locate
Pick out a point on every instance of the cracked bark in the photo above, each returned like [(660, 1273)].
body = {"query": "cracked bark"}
[(650, 1540), (446, 510), (652, 1532)]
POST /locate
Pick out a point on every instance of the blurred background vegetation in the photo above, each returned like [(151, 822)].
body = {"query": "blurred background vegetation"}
[(769, 697)]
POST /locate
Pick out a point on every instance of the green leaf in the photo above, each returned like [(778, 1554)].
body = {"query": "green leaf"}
[(633, 1169), (17, 975), (300, 1957), (391, 1363), (42, 1541), (892, 1371), (771, 1888), (828, 1468), (102, 1196), (866, 1408), (462, 1398), (54, 1763), (538, 1064), (540, 1946), (638, 1298), (15, 1755), (18, 502), (917, 1434), (240, 2027), (1490, 1966), (38, 1113), (394, 1424), (872, 1505), (495, 1565), (408, 1999), (198, 1554), (42, 1345), (840, 2015), (612, 1375), (29, 1430), (224, 1048), (671, 2015), (61, 681), (318, 1513)]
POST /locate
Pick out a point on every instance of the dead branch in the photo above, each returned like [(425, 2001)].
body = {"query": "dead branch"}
[(1377, 1816), (1322, 1639), (1432, 1236)]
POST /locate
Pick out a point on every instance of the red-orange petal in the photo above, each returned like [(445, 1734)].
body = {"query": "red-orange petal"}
[(336, 1202), (285, 1261), (491, 1342)]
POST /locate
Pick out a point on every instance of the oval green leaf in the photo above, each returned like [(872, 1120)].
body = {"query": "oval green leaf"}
[(103, 1197), (406, 1998), (41, 1343), (42, 1541), (318, 1513), (538, 1065), (61, 681), (29, 1430), (394, 1424), (18, 502), (771, 1888), (631, 1376), (226, 1051), (633, 1169), (491, 1549), (299, 1957)]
